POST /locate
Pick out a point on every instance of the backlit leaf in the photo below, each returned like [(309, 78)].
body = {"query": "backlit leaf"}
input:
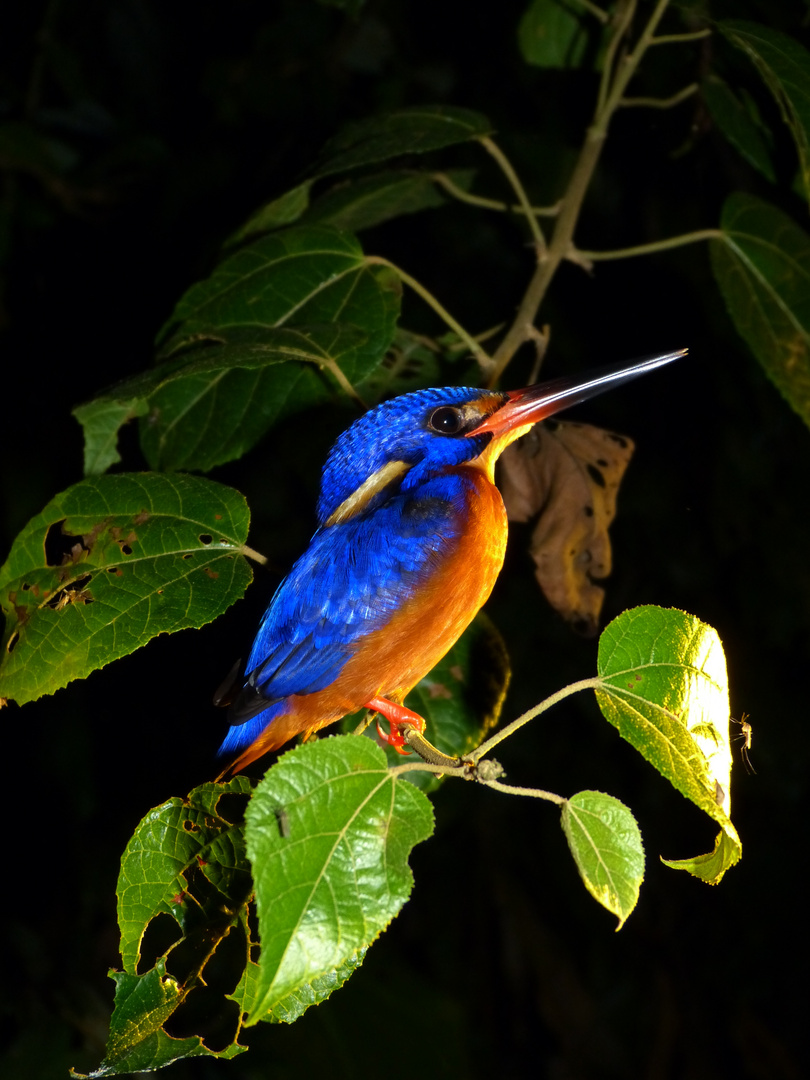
[(665, 687), (109, 564)]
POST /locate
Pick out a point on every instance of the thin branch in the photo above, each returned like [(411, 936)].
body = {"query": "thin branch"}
[(452, 188), (510, 729), (660, 103), (673, 39), (592, 9), (647, 249), (536, 793), (481, 355), (611, 91), (622, 20), (505, 165)]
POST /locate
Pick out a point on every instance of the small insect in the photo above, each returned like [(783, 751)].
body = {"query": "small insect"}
[(746, 731)]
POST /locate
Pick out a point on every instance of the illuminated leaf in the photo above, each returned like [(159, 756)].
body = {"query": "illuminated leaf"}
[(328, 882), (606, 844), (665, 687)]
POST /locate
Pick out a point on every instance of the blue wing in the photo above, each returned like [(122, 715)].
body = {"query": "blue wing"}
[(348, 583)]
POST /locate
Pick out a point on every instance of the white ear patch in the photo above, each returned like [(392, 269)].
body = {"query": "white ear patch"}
[(363, 495)]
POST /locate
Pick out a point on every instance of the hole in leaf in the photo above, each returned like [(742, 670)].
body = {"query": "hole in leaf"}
[(161, 933), (126, 549), (190, 826), (206, 538), (188, 555), (231, 807), (12, 641), (61, 548)]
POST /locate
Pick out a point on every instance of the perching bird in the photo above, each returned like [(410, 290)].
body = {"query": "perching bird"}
[(411, 537)]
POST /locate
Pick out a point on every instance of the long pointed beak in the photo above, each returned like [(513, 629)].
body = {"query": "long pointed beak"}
[(525, 407)]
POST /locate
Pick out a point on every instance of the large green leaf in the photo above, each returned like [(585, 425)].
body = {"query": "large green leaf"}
[(329, 831), (109, 564), (302, 276), (762, 265), (415, 130), (212, 403), (664, 686), (606, 844), (784, 65)]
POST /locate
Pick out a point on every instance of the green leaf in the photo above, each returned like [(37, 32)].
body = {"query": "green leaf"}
[(606, 844), (407, 131), (409, 364), (553, 34), (762, 266), (292, 1007), (739, 121), (137, 1042), (109, 564), (213, 403), (329, 881), (303, 276), (665, 687), (175, 839), (371, 200), (784, 65), (101, 421), (285, 210)]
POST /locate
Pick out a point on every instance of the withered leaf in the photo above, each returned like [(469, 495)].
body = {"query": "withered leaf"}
[(569, 474)]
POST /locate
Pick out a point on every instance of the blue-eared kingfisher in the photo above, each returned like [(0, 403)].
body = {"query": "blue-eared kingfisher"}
[(411, 537)]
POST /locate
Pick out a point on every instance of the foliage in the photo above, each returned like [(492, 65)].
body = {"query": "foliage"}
[(296, 878)]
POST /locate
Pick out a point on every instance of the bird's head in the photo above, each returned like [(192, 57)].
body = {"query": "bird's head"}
[(401, 442)]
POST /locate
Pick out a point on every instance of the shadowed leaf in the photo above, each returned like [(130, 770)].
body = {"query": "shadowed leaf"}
[(762, 265)]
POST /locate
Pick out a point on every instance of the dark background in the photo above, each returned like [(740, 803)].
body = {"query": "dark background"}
[(174, 121)]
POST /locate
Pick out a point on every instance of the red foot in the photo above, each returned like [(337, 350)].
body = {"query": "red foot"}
[(396, 715)]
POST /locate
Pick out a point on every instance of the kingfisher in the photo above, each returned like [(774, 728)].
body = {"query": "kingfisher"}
[(411, 537)]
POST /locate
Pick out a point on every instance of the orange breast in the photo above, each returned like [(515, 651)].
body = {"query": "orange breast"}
[(391, 660)]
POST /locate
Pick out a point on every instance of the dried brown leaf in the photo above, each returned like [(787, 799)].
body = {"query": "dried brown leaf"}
[(569, 474)]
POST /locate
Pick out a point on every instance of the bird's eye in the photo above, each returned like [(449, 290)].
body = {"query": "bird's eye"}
[(446, 420)]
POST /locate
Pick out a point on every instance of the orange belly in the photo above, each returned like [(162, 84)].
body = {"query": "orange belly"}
[(390, 661)]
